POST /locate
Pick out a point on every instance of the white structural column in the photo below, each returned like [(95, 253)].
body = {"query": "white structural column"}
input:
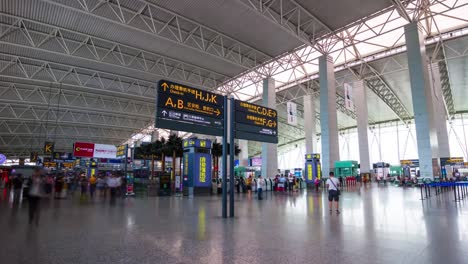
[(309, 124), (154, 135), (440, 114), (362, 120), (244, 154), (269, 150), (421, 94), (328, 116)]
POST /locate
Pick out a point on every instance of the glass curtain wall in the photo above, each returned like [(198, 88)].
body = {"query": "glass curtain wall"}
[(389, 142)]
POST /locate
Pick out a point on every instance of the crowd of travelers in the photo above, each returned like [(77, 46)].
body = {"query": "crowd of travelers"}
[(281, 183), (60, 186), (42, 185)]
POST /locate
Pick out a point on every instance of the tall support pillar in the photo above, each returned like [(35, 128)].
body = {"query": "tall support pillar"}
[(440, 114), (421, 94), (362, 118), (269, 150), (328, 116), (309, 124), (154, 135), (244, 154)]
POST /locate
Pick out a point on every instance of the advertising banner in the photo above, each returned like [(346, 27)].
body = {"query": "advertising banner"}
[(256, 162), (84, 150), (105, 151), (348, 91), (91, 150), (292, 113)]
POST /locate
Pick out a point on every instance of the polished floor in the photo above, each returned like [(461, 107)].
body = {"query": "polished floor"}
[(377, 225)]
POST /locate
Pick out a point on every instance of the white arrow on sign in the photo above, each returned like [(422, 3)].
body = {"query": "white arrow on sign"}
[(164, 112)]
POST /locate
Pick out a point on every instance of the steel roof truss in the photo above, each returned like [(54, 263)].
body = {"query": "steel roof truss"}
[(167, 25), (112, 53)]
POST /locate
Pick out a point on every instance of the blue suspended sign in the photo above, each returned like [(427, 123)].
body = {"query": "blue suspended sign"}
[(2, 158)]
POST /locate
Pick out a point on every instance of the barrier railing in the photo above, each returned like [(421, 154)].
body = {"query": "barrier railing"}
[(459, 189)]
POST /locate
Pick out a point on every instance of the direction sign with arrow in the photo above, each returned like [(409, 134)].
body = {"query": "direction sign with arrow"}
[(255, 122), (189, 109), (187, 104)]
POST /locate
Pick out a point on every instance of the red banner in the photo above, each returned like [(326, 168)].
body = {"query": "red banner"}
[(85, 150)]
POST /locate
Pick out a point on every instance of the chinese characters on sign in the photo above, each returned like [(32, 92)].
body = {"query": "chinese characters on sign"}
[(255, 122), (202, 169), (183, 108)]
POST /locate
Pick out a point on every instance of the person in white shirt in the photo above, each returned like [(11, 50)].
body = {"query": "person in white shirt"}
[(333, 192), (260, 185), (113, 183)]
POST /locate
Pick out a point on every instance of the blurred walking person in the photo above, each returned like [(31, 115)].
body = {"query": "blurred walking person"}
[(58, 187), (101, 186), (260, 186), (123, 186), (17, 188), (113, 184), (49, 183), (35, 194), (92, 186), (84, 186)]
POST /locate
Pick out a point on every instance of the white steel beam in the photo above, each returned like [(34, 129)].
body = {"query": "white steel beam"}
[(149, 18), (58, 40)]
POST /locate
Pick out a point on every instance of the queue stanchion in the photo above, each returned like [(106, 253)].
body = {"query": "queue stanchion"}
[(463, 189), (455, 193), (421, 187)]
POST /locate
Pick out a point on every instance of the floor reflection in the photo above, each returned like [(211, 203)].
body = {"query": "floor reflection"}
[(377, 225)]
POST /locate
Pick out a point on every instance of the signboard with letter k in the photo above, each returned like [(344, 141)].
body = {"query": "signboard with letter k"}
[(49, 148)]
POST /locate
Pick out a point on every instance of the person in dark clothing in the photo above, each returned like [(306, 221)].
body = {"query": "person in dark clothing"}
[(84, 186), (35, 194), (123, 186), (49, 183), (58, 187), (237, 185), (17, 187)]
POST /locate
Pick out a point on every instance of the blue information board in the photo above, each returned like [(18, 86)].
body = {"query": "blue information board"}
[(197, 163)]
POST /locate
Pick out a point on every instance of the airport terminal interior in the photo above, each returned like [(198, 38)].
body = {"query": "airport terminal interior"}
[(233, 131)]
